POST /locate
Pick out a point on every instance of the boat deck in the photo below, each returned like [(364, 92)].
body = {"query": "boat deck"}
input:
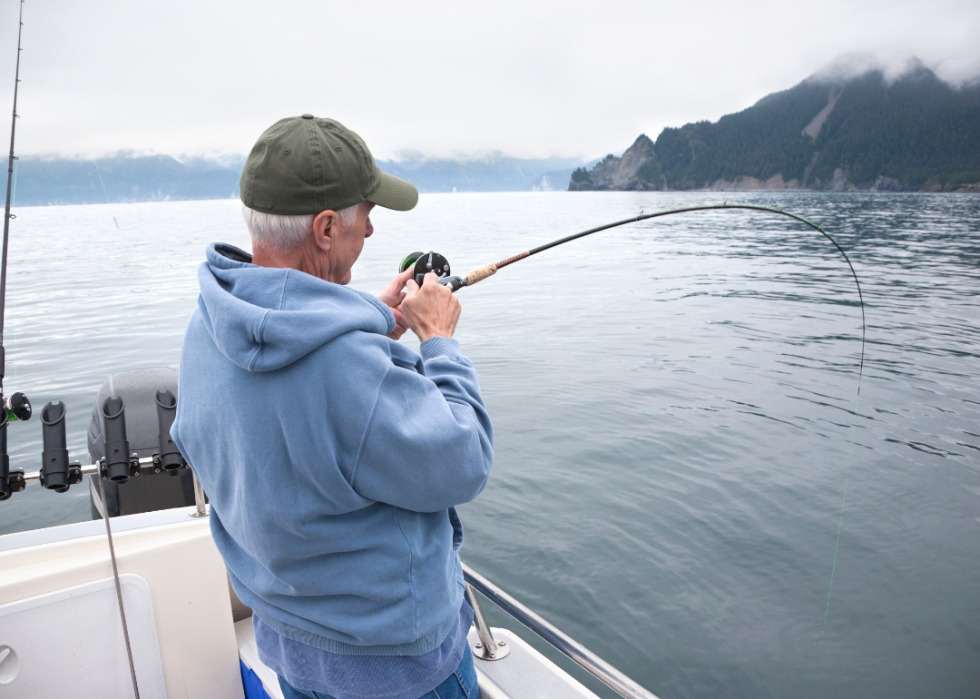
[(195, 638)]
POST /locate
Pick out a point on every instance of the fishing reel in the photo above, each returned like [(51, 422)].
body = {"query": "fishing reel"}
[(16, 406), (425, 262)]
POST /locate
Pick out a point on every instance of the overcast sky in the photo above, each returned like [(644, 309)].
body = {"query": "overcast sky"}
[(443, 78)]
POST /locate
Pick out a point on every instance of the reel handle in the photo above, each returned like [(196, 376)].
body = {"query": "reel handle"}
[(425, 262)]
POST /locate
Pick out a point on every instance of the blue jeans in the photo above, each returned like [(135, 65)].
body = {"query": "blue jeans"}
[(459, 685)]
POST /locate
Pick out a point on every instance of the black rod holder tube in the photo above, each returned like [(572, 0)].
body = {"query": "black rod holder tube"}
[(170, 457), (54, 458), (4, 464), (116, 444)]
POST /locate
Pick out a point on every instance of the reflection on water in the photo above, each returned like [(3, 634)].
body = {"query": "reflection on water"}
[(673, 403)]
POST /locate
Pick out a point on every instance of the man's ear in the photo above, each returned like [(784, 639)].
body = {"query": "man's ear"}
[(325, 229)]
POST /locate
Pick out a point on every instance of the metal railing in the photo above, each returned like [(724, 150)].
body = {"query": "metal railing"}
[(91, 469), (146, 462), (560, 641)]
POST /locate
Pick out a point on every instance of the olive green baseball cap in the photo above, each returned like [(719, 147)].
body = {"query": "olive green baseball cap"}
[(305, 165)]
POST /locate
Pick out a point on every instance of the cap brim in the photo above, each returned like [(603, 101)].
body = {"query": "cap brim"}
[(395, 193)]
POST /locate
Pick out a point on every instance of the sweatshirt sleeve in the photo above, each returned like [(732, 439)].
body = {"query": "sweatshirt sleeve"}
[(429, 443)]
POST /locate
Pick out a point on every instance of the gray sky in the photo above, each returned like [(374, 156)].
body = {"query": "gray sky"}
[(528, 78)]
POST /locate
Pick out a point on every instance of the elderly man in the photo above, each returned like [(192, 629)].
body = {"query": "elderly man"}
[(333, 455)]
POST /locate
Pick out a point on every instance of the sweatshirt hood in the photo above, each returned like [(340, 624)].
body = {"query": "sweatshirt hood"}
[(265, 318)]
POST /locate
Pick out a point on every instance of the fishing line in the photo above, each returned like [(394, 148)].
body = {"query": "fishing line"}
[(424, 263), (13, 344), (99, 173), (840, 523)]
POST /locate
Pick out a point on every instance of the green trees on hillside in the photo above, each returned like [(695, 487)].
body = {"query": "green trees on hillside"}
[(917, 130), (761, 141)]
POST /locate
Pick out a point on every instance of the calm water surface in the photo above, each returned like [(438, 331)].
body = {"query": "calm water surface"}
[(673, 405)]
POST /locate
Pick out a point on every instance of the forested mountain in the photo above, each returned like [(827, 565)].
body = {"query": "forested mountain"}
[(866, 132)]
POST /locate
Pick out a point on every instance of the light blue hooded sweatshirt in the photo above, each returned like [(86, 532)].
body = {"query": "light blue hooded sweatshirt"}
[(332, 457)]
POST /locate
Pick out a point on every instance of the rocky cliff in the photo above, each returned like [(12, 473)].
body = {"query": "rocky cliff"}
[(636, 169)]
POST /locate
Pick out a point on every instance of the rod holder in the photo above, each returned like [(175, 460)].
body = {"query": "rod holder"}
[(11, 481), (54, 458), (170, 457), (5, 491), (117, 459)]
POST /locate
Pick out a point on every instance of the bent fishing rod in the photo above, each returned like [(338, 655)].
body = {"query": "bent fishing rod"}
[(425, 262)]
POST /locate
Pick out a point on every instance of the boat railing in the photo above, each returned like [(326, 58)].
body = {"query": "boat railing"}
[(490, 650), (607, 674)]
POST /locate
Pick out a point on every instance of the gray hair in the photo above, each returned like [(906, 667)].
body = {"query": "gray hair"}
[(284, 233)]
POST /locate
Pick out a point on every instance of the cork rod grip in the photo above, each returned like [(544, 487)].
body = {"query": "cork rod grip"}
[(480, 273)]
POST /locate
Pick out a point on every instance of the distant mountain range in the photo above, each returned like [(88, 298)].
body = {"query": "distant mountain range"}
[(833, 131), (126, 178), (123, 178)]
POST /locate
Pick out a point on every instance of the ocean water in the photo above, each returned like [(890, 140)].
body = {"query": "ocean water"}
[(674, 403)]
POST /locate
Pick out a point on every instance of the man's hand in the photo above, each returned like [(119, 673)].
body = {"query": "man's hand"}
[(392, 296), (432, 310)]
